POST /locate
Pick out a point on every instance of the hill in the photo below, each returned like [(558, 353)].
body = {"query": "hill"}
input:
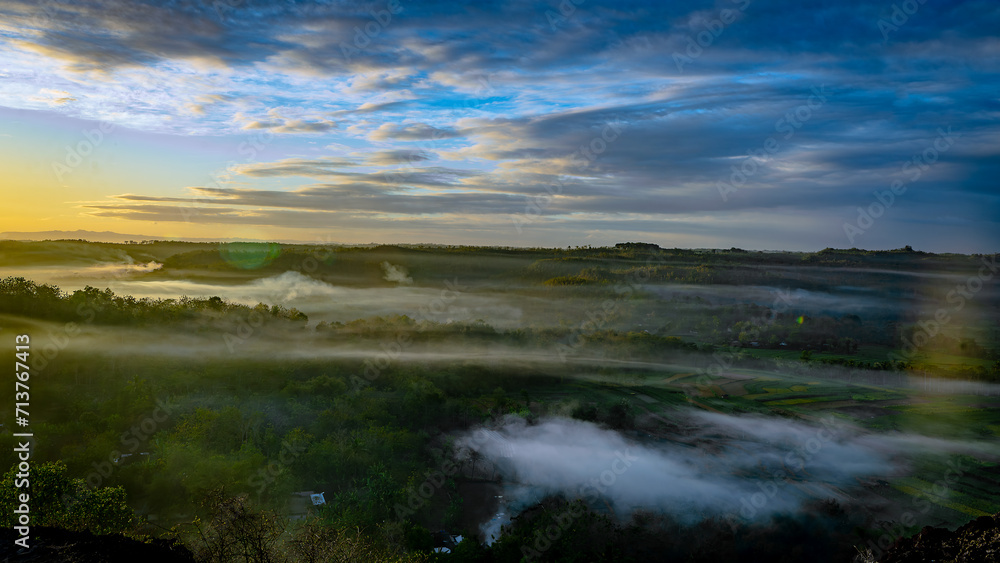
[(976, 541), (55, 544)]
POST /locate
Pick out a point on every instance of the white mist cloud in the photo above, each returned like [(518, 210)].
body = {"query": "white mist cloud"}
[(744, 467), (287, 287), (73, 277), (580, 459), (117, 270), (846, 300), (320, 300), (396, 274)]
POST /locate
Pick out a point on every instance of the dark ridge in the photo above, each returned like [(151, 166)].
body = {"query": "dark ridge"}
[(56, 544), (977, 541)]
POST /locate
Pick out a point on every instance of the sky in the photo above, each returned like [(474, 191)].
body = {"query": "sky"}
[(758, 124)]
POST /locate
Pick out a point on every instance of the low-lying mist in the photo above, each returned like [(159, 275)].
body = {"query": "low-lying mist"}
[(739, 468), (320, 300)]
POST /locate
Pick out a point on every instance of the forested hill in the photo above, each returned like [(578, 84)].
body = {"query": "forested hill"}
[(361, 265)]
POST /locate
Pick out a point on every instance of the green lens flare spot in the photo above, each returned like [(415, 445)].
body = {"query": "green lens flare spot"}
[(249, 255)]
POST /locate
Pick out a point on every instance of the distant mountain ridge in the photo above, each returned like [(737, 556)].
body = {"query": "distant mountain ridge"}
[(109, 236)]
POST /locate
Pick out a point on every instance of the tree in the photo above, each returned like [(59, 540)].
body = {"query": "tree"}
[(236, 531), (620, 415), (58, 501), (314, 542), (476, 456)]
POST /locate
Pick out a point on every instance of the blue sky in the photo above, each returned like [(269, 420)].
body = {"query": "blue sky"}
[(750, 123)]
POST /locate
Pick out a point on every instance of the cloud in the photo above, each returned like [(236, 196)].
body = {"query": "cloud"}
[(413, 132), (53, 97), (399, 156), (279, 124), (381, 82), (371, 194), (330, 167), (293, 126), (523, 99), (202, 102), (296, 167), (372, 107)]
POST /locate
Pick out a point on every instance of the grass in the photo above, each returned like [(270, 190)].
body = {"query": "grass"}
[(800, 401), (917, 487)]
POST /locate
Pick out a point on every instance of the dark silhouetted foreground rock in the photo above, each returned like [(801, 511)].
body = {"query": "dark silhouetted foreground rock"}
[(976, 542), (55, 544)]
